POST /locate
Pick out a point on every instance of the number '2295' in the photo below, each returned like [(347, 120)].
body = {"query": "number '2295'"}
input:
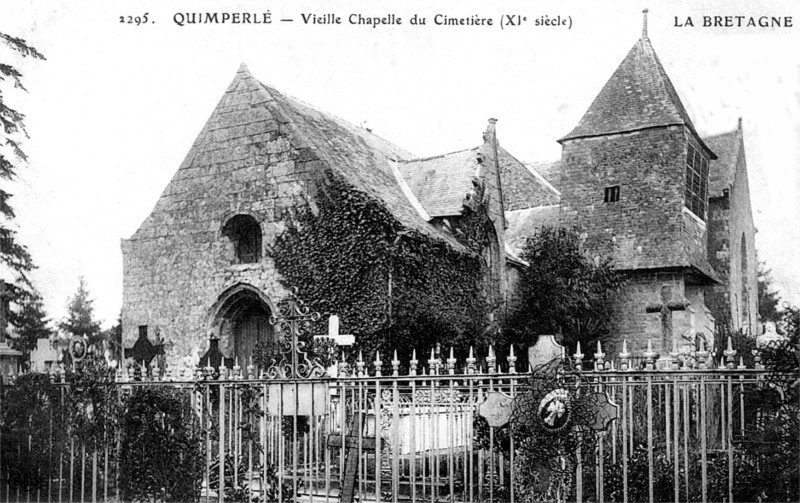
[(137, 20)]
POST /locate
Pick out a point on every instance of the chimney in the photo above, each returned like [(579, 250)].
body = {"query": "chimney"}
[(644, 23)]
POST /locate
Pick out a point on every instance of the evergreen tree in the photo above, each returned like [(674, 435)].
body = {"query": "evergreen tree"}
[(562, 291), (768, 299), (30, 321), (12, 129), (80, 316)]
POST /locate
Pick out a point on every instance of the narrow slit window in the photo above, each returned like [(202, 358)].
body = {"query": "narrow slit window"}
[(611, 194)]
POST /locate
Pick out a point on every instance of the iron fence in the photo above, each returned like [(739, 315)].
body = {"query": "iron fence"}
[(677, 436)]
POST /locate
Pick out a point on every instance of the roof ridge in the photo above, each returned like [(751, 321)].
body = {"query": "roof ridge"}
[(438, 156)]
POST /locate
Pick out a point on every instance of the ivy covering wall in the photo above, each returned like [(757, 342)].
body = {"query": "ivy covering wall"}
[(391, 288)]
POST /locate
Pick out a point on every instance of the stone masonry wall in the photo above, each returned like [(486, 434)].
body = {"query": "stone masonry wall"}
[(731, 220), (179, 262), (644, 229), (635, 325)]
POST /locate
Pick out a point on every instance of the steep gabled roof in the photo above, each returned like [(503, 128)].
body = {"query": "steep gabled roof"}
[(250, 113), (442, 182), (722, 171), (639, 95)]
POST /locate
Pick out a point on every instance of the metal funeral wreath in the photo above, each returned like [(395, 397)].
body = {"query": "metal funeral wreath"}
[(557, 414)]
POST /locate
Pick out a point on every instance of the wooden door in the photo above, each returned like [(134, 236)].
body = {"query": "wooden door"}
[(251, 327)]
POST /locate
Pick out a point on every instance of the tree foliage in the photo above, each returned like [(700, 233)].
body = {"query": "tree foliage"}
[(12, 130), (80, 315), (768, 299), (30, 321), (562, 291)]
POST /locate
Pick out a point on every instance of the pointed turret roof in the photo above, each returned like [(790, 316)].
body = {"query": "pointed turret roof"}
[(639, 95)]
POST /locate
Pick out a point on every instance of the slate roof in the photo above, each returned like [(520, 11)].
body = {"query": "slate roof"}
[(359, 156), (638, 95), (523, 224), (549, 170), (440, 183), (522, 186), (722, 171)]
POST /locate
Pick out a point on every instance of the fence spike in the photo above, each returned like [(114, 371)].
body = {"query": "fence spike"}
[(650, 355), (599, 356), (624, 356), (412, 365), (578, 356), (741, 363), (395, 364), (730, 354), (360, 364), (451, 363), (491, 361), (433, 364), (512, 360), (378, 364), (674, 354), (471, 361)]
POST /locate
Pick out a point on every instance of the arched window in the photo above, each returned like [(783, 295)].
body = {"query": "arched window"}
[(245, 234)]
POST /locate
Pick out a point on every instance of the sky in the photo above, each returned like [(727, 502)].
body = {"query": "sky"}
[(115, 107)]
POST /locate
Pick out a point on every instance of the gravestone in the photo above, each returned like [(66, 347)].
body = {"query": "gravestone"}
[(544, 351)]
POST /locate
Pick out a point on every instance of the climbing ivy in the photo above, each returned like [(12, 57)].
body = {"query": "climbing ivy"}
[(391, 287)]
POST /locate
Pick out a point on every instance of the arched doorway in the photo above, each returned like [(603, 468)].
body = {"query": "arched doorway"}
[(250, 326), (240, 318)]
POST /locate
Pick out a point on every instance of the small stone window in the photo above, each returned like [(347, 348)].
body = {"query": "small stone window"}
[(245, 234), (696, 189), (612, 194)]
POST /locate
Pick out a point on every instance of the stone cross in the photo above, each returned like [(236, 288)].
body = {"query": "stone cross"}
[(143, 350), (333, 333), (665, 308)]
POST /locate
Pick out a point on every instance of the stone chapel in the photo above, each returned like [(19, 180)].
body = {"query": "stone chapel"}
[(670, 207)]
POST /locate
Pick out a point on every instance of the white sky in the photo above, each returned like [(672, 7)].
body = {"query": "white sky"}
[(115, 107)]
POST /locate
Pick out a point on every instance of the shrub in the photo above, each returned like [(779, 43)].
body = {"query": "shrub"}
[(161, 456)]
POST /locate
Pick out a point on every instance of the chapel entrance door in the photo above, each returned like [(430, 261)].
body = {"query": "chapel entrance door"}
[(250, 327)]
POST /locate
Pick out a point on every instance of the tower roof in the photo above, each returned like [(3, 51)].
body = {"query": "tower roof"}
[(639, 95)]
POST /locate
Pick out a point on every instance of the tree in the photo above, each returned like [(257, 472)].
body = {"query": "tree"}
[(13, 254), (30, 321), (80, 315), (562, 291), (768, 299)]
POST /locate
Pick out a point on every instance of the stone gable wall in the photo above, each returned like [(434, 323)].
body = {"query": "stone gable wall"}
[(179, 262)]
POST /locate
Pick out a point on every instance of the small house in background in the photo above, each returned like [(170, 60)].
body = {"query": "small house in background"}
[(45, 356)]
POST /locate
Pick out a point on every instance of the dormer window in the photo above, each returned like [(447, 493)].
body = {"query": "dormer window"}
[(696, 190), (245, 234)]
